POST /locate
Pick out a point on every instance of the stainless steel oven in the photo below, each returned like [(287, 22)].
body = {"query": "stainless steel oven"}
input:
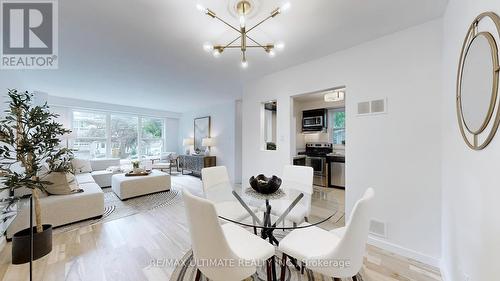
[(317, 163), (320, 171), (316, 158)]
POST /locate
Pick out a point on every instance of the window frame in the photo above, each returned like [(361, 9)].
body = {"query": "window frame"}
[(332, 125), (108, 137), (162, 138), (106, 129)]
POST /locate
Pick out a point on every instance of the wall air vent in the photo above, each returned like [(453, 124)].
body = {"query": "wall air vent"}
[(363, 108), (372, 107), (378, 228)]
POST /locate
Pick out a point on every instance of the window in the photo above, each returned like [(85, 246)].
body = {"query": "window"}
[(151, 136), (269, 124), (90, 130), (124, 136), (337, 123)]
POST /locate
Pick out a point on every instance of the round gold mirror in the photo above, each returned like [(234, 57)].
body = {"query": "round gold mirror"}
[(477, 85)]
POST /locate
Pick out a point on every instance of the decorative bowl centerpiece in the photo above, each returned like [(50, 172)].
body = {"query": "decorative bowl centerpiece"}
[(265, 185)]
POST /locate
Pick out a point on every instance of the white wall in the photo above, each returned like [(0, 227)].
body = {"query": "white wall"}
[(471, 189), (396, 153), (238, 145), (223, 123)]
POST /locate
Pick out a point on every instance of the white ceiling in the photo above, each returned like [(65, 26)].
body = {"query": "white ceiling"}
[(149, 53)]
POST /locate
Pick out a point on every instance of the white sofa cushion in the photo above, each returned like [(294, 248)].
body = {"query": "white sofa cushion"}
[(61, 183), (103, 164), (84, 178), (81, 166)]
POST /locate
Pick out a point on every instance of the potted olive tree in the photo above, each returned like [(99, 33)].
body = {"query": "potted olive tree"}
[(30, 137)]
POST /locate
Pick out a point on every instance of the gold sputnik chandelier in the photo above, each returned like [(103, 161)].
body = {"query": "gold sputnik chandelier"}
[(243, 9)]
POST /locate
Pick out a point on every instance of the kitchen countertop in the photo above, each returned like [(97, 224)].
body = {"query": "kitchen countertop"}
[(335, 158), (336, 154)]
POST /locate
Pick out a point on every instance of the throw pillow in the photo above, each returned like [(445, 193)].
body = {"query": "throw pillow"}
[(62, 184), (114, 169), (81, 166)]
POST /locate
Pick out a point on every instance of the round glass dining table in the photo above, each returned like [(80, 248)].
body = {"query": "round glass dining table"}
[(285, 202)]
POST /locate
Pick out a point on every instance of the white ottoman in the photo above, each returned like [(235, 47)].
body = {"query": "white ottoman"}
[(128, 187)]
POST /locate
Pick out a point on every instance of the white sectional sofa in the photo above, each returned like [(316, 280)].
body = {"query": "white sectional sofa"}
[(59, 210)]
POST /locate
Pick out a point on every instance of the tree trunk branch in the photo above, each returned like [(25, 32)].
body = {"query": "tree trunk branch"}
[(38, 215)]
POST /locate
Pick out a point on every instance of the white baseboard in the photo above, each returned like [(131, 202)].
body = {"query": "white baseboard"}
[(444, 272), (405, 252)]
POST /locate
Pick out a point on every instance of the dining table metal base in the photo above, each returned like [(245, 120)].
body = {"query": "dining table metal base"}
[(267, 228), (267, 234)]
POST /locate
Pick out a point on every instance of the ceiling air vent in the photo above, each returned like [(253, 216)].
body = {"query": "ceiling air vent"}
[(372, 107)]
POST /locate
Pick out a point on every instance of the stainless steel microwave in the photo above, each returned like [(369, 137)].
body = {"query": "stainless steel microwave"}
[(315, 121)]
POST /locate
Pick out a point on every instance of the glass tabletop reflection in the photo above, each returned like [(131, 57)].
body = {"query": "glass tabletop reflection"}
[(271, 211)]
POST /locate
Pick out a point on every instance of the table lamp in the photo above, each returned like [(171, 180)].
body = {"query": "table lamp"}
[(208, 142), (188, 142)]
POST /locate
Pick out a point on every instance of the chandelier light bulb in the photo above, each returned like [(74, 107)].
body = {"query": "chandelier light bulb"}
[(242, 21), (201, 8), (285, 7), (272, 53), (216, 53), (280, 46), (244, 64), (208, 47)]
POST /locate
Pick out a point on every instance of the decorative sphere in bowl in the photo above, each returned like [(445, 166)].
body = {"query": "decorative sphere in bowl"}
[(265, 185)]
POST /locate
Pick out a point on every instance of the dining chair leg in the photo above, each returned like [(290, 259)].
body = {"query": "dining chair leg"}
[(306, 219), (269, 270), (198, 275), (283, 267), (302, 267)]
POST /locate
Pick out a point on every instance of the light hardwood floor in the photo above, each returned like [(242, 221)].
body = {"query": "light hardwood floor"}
[(125, 249)]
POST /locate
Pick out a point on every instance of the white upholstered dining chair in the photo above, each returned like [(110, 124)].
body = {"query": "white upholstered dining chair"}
[(212, 243), (218, 189), (295, 180), (337, 253)]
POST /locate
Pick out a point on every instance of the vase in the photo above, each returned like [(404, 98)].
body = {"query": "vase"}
[(42, 244)]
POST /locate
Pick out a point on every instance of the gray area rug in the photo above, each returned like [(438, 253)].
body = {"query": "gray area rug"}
[(114, 208), (186, 271)]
